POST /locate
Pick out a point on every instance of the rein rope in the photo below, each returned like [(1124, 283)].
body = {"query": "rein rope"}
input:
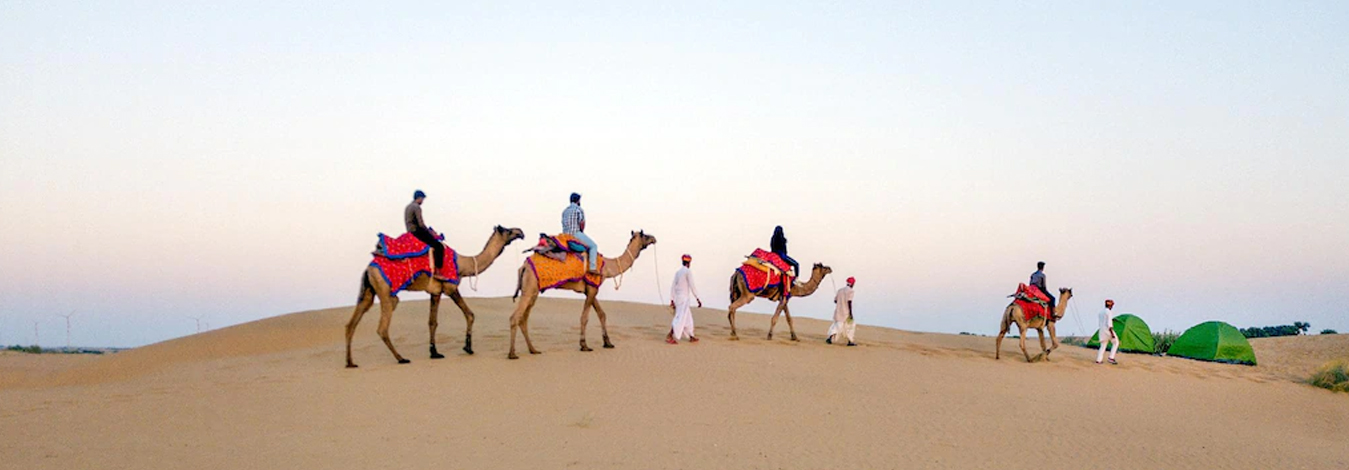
[(659, 294), (618, 279)]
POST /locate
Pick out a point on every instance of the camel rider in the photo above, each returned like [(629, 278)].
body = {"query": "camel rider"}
[(574, 224), (1037, 279), (779, 247), (412, 218)]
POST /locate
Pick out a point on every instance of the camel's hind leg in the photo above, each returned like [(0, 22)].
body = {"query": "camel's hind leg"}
[(787, 312), (468, 320), (363, 305), (385, 317), (434, 322), (1002, 331), (522, 306), (730, 314), (585, 319), (604, 325)]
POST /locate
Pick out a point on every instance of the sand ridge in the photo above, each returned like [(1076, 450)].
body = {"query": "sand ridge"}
[(273, 393)]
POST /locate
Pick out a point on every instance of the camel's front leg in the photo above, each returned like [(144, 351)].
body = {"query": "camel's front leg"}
[(468, 320), (1044, 352), (585, 319), (434, 322), (787, 311), (1053, 339), (604, 324), (773, 323)]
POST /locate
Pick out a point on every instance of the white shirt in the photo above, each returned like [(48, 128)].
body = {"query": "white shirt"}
[(683, 286), (841, 300), (1107, 318)]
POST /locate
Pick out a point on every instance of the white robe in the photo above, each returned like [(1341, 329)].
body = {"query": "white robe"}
[(682, 292), (842, 324)]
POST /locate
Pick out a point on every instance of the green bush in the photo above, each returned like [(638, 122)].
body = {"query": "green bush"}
[(1329, 332), (1333, 376), (34, 349), (1164, 340)]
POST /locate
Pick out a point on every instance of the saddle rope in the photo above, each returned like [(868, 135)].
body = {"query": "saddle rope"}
[(473, 280)]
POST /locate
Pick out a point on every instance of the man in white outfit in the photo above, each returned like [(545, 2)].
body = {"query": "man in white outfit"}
[(1107, 333), (680, 293), (843, 321)]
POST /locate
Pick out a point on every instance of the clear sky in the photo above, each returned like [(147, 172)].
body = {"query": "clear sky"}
[(234, 161)]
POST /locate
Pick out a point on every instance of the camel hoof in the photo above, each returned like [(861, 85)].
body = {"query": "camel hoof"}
[(586, 349), (608, 345), (404, 361), (735, 338), (468, 350), (794, 339), (512, 356), (436, 355), (534, 352), (351, 366)]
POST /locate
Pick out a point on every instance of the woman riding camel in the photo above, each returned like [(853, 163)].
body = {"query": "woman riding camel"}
[(779, 247)]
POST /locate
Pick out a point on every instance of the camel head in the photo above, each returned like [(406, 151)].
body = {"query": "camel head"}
[(1065, 293), (819, 271), (511, 234), (644, 239)]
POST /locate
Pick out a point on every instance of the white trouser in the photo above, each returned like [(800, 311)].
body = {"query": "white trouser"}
[(683, 321), (1114, 346), (848, 329)]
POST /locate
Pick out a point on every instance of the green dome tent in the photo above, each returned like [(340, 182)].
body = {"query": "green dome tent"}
[(1214, 341), (1134, 335)]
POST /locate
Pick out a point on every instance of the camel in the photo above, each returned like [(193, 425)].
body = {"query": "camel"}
[(740, 297), (1013, 314), (527, 291), (374, 286)]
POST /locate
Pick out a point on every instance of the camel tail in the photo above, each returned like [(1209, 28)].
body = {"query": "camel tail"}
[(519, 283), (366, 288), (735, 293)]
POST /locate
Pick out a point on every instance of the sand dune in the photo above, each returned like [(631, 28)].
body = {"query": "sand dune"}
[(274, 394)]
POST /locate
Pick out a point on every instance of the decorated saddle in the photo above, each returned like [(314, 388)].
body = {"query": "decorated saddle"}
[(1032, 301), (400, 260), (559, 260), (765, 269)]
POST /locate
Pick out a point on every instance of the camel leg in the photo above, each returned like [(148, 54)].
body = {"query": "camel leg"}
[(730, 313), (386, 317), (1044, 352), (1002, 331), (521, 309), (787, 311), (468, 320), (604, 325), (434, 322), (585, 320), (1053, 339), (367, 300), (773, 323), (1022, 332), (524, 326)]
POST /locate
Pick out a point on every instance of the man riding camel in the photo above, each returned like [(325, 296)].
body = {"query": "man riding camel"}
[(412, 218), (1037, 279), (574, 224), (778, 246)]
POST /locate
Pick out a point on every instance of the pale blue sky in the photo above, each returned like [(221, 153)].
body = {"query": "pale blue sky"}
[(235, 161)]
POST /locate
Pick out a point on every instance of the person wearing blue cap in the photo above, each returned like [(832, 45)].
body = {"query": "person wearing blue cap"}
[(574, 224), (412, 218)]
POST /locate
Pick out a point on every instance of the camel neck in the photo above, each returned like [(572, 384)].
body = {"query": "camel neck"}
[(476, 264), (615, 266)]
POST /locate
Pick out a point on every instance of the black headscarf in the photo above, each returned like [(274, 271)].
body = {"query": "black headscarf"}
[(779, 243)]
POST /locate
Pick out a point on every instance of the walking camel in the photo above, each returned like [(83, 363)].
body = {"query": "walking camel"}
[(374, 286), (741, 296), (1014, 314), (527, 292)]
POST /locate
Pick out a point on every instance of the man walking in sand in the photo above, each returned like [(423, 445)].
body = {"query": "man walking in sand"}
[(680, 292), (1107, 332), (843, 320)]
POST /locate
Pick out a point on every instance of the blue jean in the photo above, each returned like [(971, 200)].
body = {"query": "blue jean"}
[(592, 250)]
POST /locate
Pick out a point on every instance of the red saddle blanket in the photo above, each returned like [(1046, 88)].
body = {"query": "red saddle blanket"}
[(1032, 301), (771, 258), (400, 260), (758, 279)]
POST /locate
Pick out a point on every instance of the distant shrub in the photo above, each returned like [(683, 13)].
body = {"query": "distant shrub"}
[(34, 349), (1295, 329), (1329, 332), (1334, 376), (1163, 341), (1074, 341)]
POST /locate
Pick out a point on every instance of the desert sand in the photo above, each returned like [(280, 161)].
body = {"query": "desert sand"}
[(274, 394)]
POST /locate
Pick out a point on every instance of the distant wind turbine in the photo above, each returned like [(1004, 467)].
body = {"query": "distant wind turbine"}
[(198, 320), (67, 317)]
